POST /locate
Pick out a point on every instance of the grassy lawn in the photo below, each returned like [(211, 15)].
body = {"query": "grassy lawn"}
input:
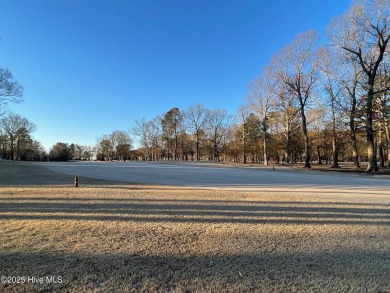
[(150, 239)]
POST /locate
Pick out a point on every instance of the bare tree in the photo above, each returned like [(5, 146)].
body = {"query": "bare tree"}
[(149, 133), (142, 129), (16, 126), (316, 123), (183, 137), (242, 116), (384, 100), (155, 136), (382, 112), (349, 99), (87, 152), (285, 104), (196, 117), (218, 122), (104, 148), (296, 68), (10, 90), (328, 66), (112, 137), (262, 101), (364, 33), (123, 144)]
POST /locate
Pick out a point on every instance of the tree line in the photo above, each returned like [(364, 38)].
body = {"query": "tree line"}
[(16, 142), (313, 102)]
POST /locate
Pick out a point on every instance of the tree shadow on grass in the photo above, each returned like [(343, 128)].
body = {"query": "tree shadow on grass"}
[(358, 271), (188, 201), (145, 210)]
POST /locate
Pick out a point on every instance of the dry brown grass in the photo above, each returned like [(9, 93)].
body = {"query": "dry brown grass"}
[(150, 239)]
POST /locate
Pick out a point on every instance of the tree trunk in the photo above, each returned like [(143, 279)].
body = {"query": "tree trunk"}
[(197, 151), (197, 146), (335, 153), (306, 138), (243, 145), (12, 147), (155, 149), (352, 132), (182, 148), (319, 155), (326, 155), (264, 126), (265, 149), (387, 132), (17, 150), (286, 158), (380, 150), (176, 144), (372, 164), (287, 134), (216, 155)]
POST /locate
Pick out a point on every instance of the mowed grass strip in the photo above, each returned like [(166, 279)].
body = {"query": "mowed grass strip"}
[(163, 239)]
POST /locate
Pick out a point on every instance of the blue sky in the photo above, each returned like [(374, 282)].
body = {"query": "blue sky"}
[(91, 67)]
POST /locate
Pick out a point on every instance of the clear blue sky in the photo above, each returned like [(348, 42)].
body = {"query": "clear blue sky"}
[(91, 67)]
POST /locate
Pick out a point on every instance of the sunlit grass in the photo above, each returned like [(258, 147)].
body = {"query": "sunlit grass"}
[(142, 238)]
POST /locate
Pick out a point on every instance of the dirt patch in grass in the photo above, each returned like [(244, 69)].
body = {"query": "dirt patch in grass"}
[(170, 239)]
